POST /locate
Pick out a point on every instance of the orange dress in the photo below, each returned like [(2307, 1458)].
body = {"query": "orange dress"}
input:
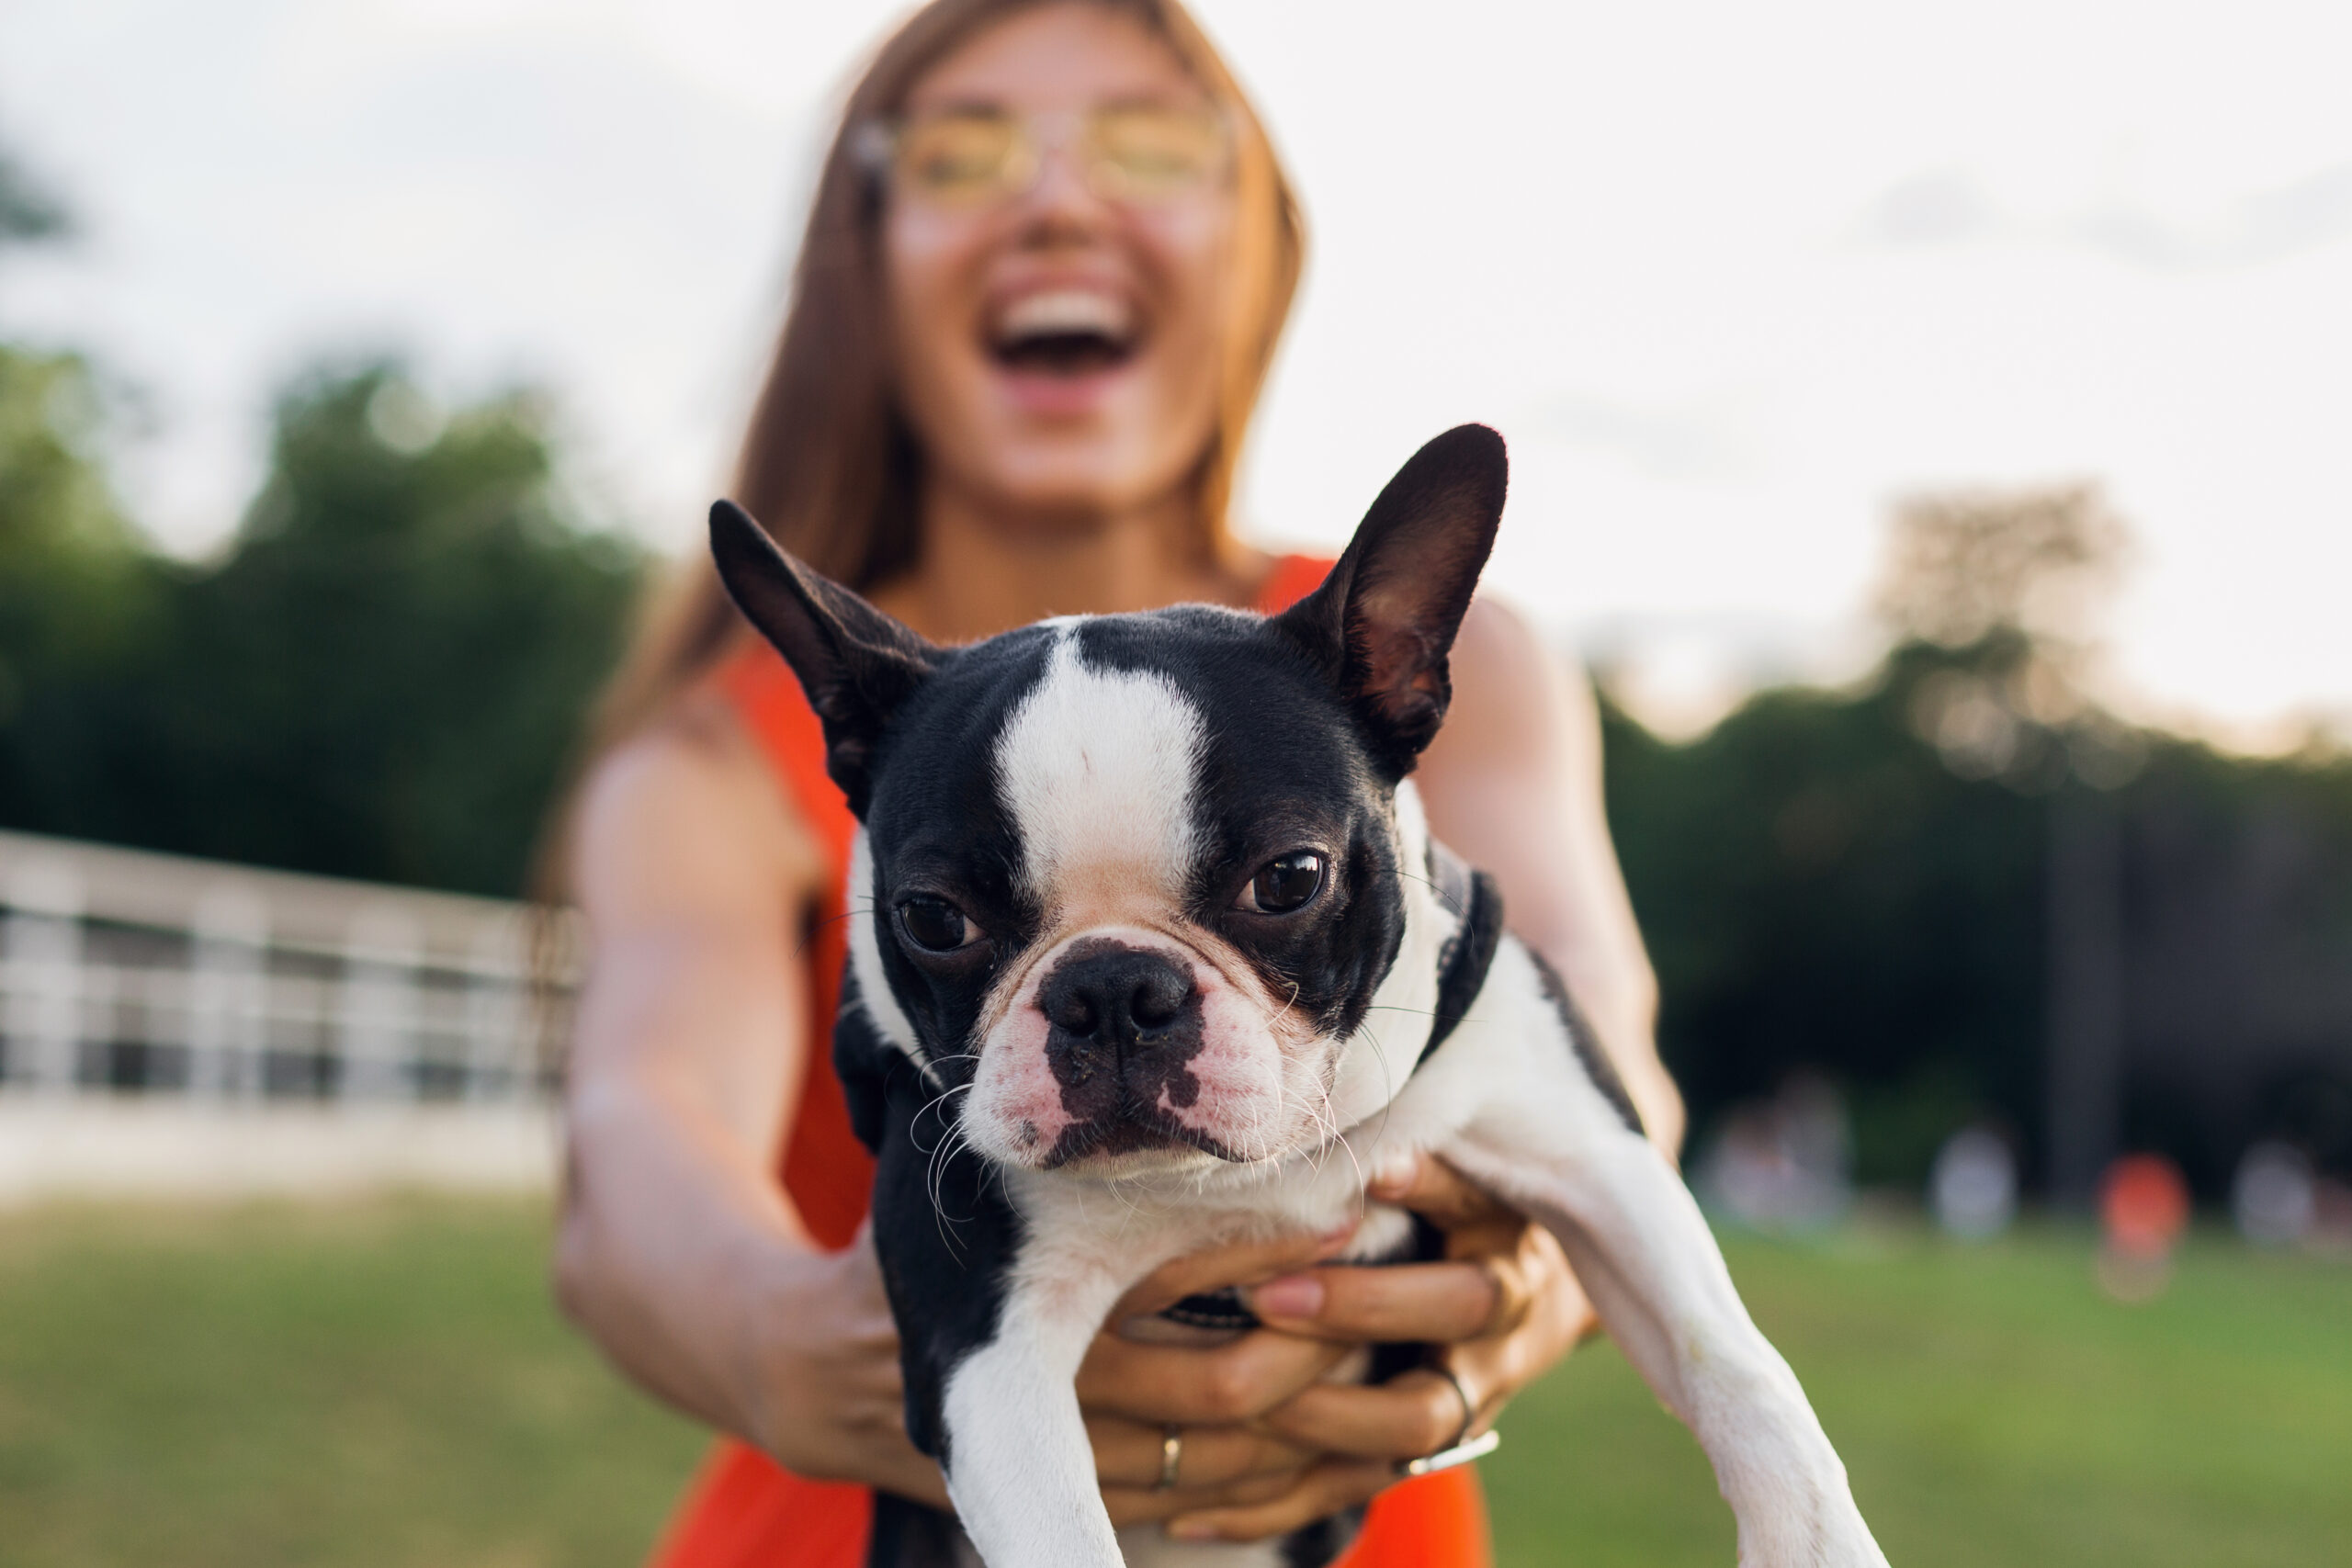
[(746, 1511)]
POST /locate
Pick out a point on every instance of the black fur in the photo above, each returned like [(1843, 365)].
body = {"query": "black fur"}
[(1310, 719), (856, 663), (1470, 952), (945, 1237)]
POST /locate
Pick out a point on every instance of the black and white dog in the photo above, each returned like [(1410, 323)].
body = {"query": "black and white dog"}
[(1147, 920)]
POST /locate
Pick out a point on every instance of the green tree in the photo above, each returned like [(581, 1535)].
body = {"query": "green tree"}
[(384, 675), (1819, 890), (81, 603), (380, 676)]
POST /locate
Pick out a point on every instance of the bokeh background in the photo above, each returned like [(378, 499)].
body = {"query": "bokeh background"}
[(1928, 424)]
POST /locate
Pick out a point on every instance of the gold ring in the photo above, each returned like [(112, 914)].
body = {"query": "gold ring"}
[(1171, 1454)]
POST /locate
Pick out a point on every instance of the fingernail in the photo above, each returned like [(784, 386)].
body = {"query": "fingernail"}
[(1395, 1170), (1292, 1295), (1192, 1529)]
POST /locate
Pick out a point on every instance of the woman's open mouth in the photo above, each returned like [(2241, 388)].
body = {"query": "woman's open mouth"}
[(1063, 332)]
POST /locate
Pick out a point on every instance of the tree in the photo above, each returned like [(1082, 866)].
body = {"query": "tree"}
[(383, 674)]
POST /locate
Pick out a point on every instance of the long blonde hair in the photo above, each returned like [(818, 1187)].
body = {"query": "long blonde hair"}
[(829, 465)]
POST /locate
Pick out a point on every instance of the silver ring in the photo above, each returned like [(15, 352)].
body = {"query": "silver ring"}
[(1479, 1446), (1469, 1406), (1171, 1454)]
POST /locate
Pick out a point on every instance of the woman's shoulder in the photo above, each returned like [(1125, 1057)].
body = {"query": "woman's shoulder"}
[(1512, 691), (686, 808)]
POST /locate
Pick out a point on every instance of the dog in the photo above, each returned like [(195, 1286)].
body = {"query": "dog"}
[(1146, 922)]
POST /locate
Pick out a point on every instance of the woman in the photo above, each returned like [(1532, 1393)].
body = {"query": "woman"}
[(1049, 258)]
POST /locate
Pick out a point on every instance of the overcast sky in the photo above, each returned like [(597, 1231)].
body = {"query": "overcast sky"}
[(1729, 277)]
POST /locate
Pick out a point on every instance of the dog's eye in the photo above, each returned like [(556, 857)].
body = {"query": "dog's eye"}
[(1283, 884), (935, 924)]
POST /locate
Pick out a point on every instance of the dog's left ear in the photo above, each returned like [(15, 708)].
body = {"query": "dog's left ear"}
[(857, 664), (1385, 620)]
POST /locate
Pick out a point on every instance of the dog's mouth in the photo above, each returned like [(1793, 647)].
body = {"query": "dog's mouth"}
[(1139, 1130), (1063, 332)]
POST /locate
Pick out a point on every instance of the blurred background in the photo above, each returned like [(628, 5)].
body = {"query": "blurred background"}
[(1928, 424)]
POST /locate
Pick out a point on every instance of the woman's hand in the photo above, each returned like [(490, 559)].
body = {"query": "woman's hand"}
[(1267, 1445), (830, 1403)]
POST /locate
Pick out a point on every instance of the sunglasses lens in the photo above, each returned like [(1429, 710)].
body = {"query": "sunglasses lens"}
[(961, 157), (1144, 153)]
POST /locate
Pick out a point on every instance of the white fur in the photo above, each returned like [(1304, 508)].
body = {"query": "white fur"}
[(874, 992), (1507, 1101), (1097, 769)]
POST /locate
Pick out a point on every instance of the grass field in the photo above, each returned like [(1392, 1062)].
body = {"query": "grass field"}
[(385, 1384)]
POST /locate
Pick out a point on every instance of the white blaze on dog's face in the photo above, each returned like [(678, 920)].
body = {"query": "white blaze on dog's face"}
[(1138, 906), (1134, 1020), (1132, 881)]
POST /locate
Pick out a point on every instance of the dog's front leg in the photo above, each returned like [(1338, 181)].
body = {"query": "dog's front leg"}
[(1018, 1462), (1645, 1255)]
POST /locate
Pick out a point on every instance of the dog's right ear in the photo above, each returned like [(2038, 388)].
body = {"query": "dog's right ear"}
[(857, 664)]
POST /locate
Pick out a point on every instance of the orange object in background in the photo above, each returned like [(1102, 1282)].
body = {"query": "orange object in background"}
[(2143, 1205)]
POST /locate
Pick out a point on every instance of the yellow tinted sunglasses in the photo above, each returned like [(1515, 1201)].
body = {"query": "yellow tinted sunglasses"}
[(977, 157)]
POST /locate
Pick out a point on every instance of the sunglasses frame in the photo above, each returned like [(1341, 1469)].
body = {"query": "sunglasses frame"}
[(874, 144)]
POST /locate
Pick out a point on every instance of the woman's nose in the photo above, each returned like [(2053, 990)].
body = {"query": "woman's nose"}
[(1061, 190)]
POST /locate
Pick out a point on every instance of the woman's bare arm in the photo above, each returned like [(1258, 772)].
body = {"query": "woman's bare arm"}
[(679, 1251), (1514, 783)]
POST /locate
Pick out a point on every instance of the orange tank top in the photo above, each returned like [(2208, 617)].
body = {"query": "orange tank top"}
[(746, 1511)]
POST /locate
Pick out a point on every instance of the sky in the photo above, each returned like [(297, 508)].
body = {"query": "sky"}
[(1731, 279)]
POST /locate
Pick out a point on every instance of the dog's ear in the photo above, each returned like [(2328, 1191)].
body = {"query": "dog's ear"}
[(1383, 622), (857, 664)]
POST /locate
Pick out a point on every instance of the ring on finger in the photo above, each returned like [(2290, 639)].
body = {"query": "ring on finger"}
[(1464, 1448), (1469, 1406), (1172, 1455)]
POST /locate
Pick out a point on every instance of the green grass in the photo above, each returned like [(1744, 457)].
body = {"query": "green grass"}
[(1992, 1406), (386, 1383), (373, 1384)]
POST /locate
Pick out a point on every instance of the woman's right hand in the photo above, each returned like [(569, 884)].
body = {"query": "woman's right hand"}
[(827, 1401)]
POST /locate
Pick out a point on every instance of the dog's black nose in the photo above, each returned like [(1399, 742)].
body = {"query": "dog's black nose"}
[(1114, 996)]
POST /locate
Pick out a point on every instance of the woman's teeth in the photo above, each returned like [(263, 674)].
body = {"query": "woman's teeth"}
[(1059, 311), (1064, 331)]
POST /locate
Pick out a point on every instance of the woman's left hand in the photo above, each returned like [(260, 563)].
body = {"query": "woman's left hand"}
[(1502, 1310)]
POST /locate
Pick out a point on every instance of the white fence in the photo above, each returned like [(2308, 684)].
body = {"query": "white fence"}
[(149, 993)]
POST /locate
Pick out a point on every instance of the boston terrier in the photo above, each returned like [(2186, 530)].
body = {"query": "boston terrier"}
[(1151, 949)]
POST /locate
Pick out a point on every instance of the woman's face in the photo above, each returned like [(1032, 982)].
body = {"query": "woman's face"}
[(1056, 350)]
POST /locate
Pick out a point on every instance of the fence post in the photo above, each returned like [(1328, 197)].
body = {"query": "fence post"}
[(377, 1011), (41, 943), (228, 1017), (495, 1014)]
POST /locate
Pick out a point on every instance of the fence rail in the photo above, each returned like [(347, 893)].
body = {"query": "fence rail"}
[(128, 973)]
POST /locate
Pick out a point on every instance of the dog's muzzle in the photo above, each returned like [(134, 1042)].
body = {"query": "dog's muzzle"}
[(1121, 1024)]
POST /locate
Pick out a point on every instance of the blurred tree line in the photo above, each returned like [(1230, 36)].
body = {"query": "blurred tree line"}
[(1969, 894), (383, 674), (380, 674)]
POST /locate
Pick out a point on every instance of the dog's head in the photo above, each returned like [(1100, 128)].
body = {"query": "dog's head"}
[(1134, 880)]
